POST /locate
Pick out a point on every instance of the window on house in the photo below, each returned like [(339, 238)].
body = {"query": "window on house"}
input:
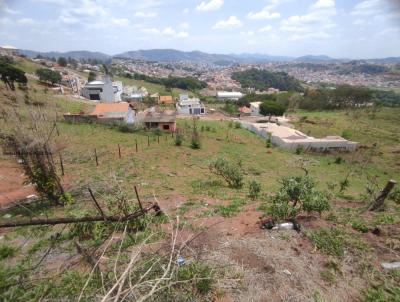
[(166, 127)]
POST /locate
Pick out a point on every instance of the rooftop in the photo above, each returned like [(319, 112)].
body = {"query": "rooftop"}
[(110, 109)]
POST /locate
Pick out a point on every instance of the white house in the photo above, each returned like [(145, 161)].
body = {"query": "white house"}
[(191, 106), (104, 91), (255, 108), (227, 95), (292, 139)]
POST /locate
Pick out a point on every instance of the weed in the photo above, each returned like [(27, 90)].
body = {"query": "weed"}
[(200, 274), (359, 225), (6, 251), (328, 240), (231, 209), (254, 189)]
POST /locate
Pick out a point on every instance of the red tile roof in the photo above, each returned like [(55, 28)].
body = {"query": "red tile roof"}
[(103, 108)]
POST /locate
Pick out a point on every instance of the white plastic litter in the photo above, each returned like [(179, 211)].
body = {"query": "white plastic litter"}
[(392, 265)]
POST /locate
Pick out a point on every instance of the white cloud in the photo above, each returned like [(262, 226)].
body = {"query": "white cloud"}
[(265, 29), (151, 30), (26, 22), (184, 25), (367, 8), (185, 11), (145, 15), (263, 14), (4, 8), (390, 31), (182, 34), (210, 5), (247, 33), (360, 22), (313, 24), (323, 4), (167, 31), (231, 22)]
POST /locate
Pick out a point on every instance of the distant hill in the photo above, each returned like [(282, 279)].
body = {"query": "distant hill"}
[(77, 55), (170, 55), (312, 58)]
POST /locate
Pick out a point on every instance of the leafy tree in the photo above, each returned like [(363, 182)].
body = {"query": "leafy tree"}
[(62, 61), (272, 108), (48, 75), (92, 76), (10, 74)]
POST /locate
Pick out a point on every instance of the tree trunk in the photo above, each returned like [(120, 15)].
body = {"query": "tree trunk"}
[(379, 201), (66, 220)]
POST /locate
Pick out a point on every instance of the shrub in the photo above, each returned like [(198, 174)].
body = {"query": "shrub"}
[(395, 196), (328, 240), (339, 160), (299, 150), (231, 173), (6, 251), (346, 134), (238, 125), (254, 189), (178, 139), (297, 194)]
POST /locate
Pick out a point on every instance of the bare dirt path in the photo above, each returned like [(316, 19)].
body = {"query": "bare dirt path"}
[(12, 187)]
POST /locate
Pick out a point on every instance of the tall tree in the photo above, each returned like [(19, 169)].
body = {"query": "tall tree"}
[(48, 75), (62, 61), (10, 74)]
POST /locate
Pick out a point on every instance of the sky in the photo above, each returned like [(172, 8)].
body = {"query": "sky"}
[(337, 28)]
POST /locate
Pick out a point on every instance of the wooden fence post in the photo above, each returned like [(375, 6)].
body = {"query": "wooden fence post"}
[(136, 145), (148, 141), (119, 151), (379, 201)]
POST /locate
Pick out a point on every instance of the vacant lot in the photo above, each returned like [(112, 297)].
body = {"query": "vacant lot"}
[(335, 257)]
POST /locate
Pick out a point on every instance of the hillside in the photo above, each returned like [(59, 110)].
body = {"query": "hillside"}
[(264, 79), (208, 242)]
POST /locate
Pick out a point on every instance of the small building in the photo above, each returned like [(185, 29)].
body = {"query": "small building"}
[(191, 106), (104, 91), (183, 97), (227, 95), (165, 121), (122, 111), (255, 108), (165, 99)]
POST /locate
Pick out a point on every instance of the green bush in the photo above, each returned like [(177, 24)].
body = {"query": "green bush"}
[(228, 171), (254, 189), (295, 195), (347, 134)]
